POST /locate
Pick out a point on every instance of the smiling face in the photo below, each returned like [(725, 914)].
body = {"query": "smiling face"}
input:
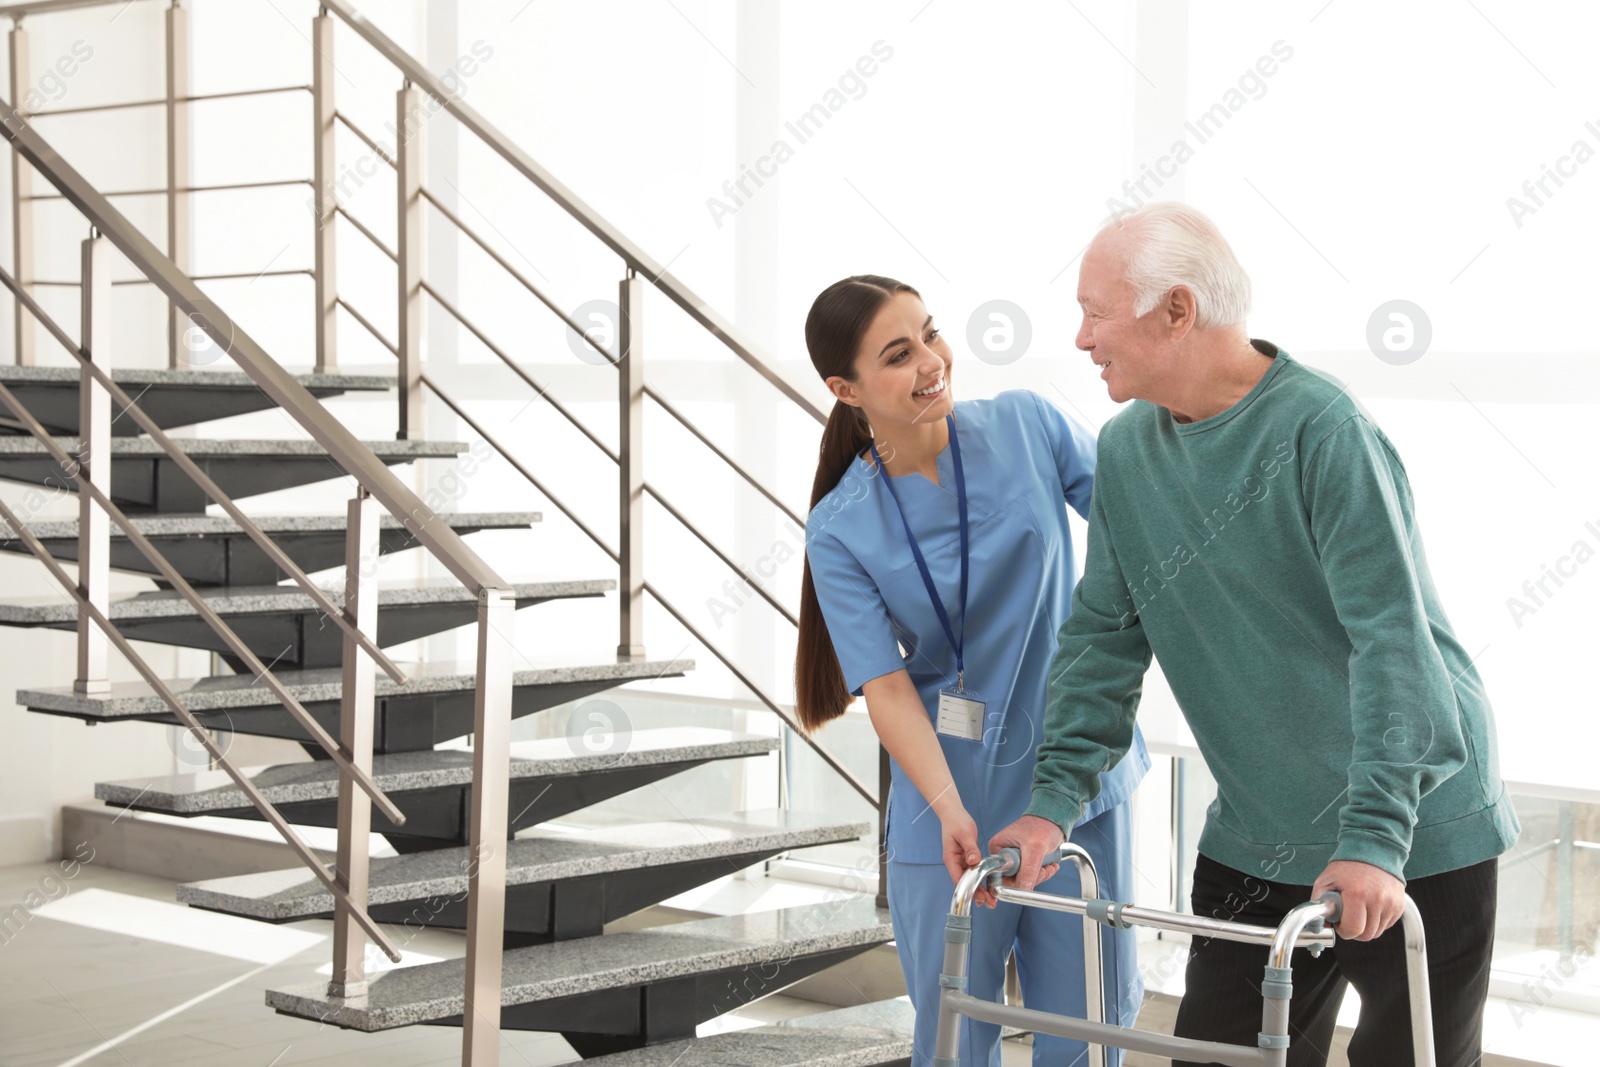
[(1133, 353), (902, 368)]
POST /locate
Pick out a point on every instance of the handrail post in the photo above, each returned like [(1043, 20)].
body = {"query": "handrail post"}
[(94, 457), (21, 190), (630, 464), (179, 171), (410, 151), (323, 200), (356, 714), (486, 870)]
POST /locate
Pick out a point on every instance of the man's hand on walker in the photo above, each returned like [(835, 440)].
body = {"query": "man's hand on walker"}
[(1035, 838), (1374, 899)]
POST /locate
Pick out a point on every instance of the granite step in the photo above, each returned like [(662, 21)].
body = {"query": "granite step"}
[(549, 778), (878, 1034), (560, 885), (432, 707), (145, 480), (624, 990), (281, 623), (170, 397), (213, 550)]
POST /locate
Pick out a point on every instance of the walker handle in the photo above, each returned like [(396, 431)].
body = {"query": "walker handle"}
[(1332, 897), (1013, 857)]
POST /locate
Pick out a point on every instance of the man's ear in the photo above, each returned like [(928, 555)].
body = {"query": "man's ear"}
[(1181, 311), (843, 389)]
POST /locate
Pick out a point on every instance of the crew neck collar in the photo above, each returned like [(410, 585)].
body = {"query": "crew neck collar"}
[(1279, 359)]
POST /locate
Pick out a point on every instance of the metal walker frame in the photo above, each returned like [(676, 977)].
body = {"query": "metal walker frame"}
[(1305, 926)]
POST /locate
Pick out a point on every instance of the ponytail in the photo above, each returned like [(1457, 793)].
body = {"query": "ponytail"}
[(820, 693), (838, 320)]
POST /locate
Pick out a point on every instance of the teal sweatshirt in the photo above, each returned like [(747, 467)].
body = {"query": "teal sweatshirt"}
[(1269, 557)]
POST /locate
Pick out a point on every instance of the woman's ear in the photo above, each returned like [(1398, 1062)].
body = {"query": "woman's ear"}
[(843, 390)]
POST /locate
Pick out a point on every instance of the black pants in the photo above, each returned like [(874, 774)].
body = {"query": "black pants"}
[(1222, 1001)]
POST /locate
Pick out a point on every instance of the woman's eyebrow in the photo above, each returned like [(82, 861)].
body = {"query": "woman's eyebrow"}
[(901, 340)]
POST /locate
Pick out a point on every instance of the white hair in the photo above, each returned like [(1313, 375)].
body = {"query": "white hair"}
[(1175, 244)]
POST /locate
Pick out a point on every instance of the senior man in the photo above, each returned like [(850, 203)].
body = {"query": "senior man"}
[(1253, 529)]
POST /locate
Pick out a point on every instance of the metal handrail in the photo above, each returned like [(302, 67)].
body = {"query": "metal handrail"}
[(268, 811), (516, 465), (844, 772), (203, 480), (162, 102), (181, 585), (632, 254), (719, 553), (196, 277), (377, 149), (744, 679), (362, 319), (754, 482), (163, 191), (40, 7), (611, 357), (361, 228), (275, 380), (456, 314)]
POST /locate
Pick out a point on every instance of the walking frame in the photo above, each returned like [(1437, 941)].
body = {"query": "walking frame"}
[(1304, 927)]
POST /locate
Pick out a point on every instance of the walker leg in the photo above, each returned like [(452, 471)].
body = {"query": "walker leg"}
[(953, 978), (1422, 1050), (1094, 1001)]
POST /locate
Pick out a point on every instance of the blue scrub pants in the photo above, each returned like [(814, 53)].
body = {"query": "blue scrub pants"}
[(1049, 947)]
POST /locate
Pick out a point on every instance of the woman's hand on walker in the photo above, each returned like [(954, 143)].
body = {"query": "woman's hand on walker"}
[(961, 853), (1035, 838)]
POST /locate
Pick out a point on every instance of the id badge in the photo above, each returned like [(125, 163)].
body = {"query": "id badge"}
[(961, 714)]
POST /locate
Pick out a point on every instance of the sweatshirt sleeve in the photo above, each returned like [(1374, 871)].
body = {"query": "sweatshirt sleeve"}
[(1406, 725), (1095, 682)]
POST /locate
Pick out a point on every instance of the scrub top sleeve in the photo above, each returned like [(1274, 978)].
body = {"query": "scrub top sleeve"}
[(1075, 452), (858, 621)]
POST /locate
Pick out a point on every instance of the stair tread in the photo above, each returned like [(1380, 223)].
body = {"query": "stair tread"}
[(134, 698), (238, 600), (400, 772), (230, 446), (204, 525), (221, 379), (433, 991), (536, 856), (861, 1036)]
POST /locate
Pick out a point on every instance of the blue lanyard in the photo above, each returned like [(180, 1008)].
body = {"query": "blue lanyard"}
[(922, 564)]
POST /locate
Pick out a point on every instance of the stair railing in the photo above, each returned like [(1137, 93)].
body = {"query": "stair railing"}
[(639, 269), (378, 485), (481, 1022)]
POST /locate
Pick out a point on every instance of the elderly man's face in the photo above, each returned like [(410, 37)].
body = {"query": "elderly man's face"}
[(1130, 352)]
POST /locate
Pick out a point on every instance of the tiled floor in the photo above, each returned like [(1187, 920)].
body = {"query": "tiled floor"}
[(104, 969)]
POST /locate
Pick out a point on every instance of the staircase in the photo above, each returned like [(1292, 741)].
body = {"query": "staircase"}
[(424, 754)]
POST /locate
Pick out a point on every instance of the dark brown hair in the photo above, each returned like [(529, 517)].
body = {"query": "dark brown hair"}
[(838, 320)]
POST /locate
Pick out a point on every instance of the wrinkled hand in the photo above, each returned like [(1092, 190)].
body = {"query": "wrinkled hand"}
[(960, 839), (1374, 899), (1034, 838)]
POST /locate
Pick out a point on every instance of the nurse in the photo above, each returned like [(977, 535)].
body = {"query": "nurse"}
[(939, 568)]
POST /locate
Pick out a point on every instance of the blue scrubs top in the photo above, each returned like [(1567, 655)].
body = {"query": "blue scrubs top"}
[(1022, 458)]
